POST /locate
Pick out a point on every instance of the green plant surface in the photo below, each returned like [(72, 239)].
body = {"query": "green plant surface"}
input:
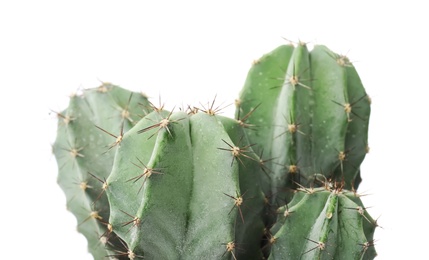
[(89, 131), (277, 182), (323, 223), (181, 188), (308, 113)]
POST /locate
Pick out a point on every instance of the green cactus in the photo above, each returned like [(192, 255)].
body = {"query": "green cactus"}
[(147, 183), (85, 155), (179, 188), (312, 116), (323, 223)]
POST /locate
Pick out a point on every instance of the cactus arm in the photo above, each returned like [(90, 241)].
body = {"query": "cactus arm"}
[(357, 130), (192, 197), (263, 84), (292, 122), (329, 116), (85, 157), (324, 224), (249, 230), (143, 183)]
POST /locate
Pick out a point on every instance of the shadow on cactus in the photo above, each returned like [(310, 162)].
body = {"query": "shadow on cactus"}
[(277, 182)]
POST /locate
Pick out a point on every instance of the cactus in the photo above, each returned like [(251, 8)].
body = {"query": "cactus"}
[(277, 182), (323, 223), (175, 175), (312, 116), (85, 153), (179, 189)]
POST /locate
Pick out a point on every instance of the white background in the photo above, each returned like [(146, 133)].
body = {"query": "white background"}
[(188, 52)]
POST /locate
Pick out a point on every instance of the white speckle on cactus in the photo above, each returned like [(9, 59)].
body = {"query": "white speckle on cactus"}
[(84, 185), (76, 152), (103, 240)]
